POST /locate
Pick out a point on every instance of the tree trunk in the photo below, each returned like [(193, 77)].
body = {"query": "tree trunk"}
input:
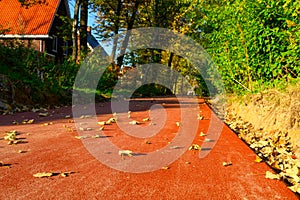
[(129, 27), (75, 31), (83, 25)]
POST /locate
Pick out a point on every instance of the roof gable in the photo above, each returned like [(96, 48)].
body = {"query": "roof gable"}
[(35, 20)]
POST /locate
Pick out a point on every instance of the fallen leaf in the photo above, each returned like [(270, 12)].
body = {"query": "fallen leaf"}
[(27, 121), (208, 140), (202, 134), (67, 116), (146, 119), (43, 174), (45, 114), (258, 159), (125, 152), (147, 142), (295, 188), (128, 114), (47, 124), (195, 147), (66, 174), (270, 175), (178, 124), (134, 122), (81, 137), (102, 123), (175, 147), (165, 168), (199, 117), (227, 163)]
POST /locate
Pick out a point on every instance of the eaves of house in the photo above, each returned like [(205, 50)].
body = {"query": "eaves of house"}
[(33, 22)]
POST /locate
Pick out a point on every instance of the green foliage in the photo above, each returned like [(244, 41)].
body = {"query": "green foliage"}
[(253, 41), (36, 79)]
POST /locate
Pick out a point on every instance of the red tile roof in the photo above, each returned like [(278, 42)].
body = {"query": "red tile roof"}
[(35, 20)]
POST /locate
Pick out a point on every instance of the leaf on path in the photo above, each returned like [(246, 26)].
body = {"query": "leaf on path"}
[(66, 174), (102, 123), (195, 147), (125, 153), (43, 174), (199, 117), (68, 128), (258, 159), (111, 120), (5, 165), (134, 122), (178, 123), (47, 124), (270, 175), (225, 164), (175, 147), (81, 137), (146, 119), (202, 134), (165, 167)]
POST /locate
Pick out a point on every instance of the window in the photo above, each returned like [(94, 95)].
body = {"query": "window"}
[(54, 43), (66, 48)]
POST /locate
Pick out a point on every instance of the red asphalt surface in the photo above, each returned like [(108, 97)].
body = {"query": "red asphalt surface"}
[(54, 148)]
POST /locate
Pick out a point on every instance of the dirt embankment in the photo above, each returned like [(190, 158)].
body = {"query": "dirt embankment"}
[(270, 123)]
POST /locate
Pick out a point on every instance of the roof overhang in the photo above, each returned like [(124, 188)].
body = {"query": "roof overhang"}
[(13, 36)]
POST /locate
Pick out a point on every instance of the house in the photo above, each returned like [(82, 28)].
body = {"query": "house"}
[(39, 27), (36, 26)]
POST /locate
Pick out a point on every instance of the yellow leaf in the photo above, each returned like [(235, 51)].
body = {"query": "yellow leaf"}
[(227, 163), (43, 174), (270, 175), (194, 147), (165, 167), (102, 123), (258, 159), (134, 122), (146, 119), (202, 134)]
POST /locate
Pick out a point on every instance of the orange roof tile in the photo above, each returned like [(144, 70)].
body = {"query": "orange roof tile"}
[(35, 20)]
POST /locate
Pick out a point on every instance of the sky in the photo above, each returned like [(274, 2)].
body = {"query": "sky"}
[(91, 15)]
